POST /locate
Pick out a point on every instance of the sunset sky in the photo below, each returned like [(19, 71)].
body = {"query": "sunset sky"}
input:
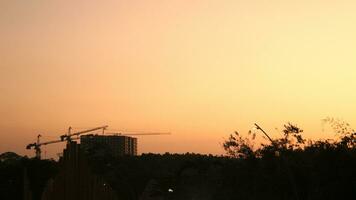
[(197, 68)]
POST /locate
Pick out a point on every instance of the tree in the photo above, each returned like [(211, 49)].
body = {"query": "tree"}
[(239, 147), (347, 135), (292, 137)]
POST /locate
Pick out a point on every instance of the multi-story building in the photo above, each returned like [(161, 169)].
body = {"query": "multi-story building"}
[(118, 145)]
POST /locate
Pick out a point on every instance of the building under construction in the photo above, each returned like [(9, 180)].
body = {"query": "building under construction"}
[(118, 145)]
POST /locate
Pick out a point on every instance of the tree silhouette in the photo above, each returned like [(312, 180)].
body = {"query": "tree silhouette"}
[(238, 146)]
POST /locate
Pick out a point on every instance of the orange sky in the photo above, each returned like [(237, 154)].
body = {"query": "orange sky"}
[(197, 68)]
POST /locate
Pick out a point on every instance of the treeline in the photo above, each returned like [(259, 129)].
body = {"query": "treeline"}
[(316, 173), (289, 167), (320, 173), (14, 168)]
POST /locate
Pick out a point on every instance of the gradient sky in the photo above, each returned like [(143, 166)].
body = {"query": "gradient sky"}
[(197, 68)]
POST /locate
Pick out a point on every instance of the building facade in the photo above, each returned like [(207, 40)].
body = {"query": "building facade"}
[(119, 145)]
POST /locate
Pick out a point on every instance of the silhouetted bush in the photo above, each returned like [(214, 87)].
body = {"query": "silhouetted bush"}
[(289, 167)]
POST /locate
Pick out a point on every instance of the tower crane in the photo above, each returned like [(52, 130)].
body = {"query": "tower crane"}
[(37, 145), (66, 137), (69, 135)]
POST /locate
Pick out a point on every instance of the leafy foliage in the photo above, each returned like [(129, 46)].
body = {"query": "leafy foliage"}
[(12, 168), (347, 135), (304, 169), (238, 146)]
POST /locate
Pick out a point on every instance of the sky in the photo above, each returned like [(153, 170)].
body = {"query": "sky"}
[(199, 69)]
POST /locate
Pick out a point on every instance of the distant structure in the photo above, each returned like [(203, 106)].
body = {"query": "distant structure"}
[(66, 137), (119, 145)]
